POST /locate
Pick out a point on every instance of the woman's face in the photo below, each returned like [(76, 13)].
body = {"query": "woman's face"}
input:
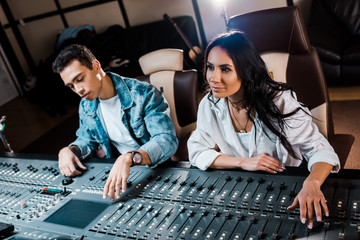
[(221, 74)]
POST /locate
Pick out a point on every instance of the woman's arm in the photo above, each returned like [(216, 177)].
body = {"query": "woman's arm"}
[(260, 162), (310, 198)]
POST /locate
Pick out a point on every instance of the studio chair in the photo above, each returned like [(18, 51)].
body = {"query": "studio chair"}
[(164, 69), (280, 37)]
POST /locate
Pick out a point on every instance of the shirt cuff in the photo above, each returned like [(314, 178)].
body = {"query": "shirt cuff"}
[(327, 157), (206, 159)]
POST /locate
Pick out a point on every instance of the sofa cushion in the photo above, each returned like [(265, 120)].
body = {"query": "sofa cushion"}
[(326, 32), (328, 44), (334, 30), (351, 55)]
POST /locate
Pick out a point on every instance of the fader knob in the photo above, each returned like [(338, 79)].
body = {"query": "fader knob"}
[(274, 236), (67, 181), (291, 236), (23, 205)]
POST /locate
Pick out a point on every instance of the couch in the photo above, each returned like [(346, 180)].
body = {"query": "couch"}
[(118, 49), (334, 30)]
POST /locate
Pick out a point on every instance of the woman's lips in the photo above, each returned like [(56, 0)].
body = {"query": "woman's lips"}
[(216, 89)]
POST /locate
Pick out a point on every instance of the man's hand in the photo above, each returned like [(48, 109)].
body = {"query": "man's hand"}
[(310, 199), (67, 161), (118, 177), (262, 162)]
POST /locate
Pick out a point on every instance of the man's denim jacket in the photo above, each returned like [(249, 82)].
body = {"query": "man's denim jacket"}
[(145, 113)]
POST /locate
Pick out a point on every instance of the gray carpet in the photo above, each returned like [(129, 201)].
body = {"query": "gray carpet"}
[(346, 116)]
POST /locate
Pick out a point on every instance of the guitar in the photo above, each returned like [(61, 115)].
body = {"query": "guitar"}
[(195, 52)]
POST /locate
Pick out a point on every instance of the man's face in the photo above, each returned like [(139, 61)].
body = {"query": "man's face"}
[(82, 80)]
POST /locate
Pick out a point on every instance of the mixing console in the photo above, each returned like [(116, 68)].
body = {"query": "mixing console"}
[(37, 202)]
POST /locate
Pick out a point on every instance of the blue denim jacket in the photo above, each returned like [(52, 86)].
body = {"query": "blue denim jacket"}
[(145, 113)]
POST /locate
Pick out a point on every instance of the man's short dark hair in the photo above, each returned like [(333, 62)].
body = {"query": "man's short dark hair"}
[(73, 52)]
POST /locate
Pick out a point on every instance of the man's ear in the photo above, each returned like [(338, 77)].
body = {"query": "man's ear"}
[(96, 65)]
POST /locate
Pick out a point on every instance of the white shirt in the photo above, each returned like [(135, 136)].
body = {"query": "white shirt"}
[(111, 114), (214, 127)]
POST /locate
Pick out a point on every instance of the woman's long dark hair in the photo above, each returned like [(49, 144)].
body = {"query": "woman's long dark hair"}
[(259, 88)]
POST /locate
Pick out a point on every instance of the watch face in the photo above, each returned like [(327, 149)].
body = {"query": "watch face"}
[(136, 158)]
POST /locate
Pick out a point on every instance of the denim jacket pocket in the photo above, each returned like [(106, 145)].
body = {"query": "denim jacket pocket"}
[(139, 128)]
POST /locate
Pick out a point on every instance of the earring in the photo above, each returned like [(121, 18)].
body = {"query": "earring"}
[(98, 76)]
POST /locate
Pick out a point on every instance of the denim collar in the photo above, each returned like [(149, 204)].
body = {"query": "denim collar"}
[(122, 89)]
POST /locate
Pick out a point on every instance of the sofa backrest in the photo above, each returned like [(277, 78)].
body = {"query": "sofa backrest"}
[(337, 13), (163, 68)]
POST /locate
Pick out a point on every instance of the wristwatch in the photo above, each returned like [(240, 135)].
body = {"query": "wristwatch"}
[(136, 158)]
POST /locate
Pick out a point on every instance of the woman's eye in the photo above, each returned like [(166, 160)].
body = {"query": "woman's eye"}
[(210, 67), (225, 69), (80, 79)]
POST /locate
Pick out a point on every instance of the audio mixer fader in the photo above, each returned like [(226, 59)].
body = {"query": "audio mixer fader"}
[(37, 202)]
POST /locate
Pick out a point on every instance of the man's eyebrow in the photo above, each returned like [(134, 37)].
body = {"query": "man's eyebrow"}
[(73, 80)]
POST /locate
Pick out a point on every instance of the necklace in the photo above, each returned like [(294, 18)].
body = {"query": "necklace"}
[(243, 129), (235, 104)]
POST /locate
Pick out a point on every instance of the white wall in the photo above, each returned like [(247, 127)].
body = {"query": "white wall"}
[(40, 36), (212, 10)]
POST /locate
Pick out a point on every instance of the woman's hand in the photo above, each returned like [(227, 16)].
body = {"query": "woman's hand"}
[(118, 177), (262, 162), (310, 199)]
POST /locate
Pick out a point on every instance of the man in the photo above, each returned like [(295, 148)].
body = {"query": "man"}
[(129, 115)]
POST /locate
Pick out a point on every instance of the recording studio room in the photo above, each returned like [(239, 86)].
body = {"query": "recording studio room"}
[(179, 119)]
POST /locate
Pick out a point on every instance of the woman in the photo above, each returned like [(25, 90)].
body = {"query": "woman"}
[(252, 122)]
